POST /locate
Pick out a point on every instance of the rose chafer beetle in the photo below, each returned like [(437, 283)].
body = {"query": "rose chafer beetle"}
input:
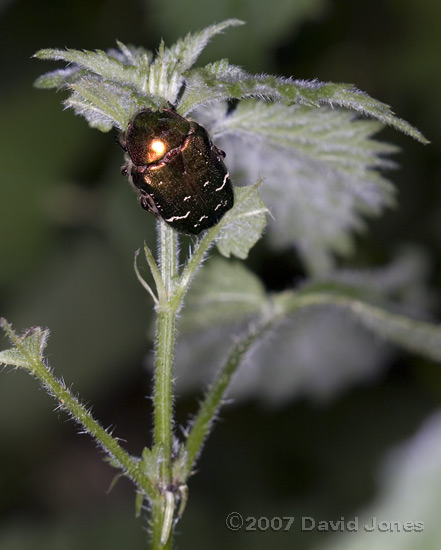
[(178, 172)]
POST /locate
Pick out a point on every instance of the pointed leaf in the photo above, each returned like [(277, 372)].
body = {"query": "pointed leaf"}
[(187, 50), (99, 102), (318, 167), (244, 224), (152, 266), (58, 78), (151, 462), (106, 88), (102, 64), (220, 81), (166, 73), (28, 348), (221, 292), (14, 358)]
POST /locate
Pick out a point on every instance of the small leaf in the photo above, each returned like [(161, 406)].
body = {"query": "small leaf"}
[(151, 462), (242, 226), (115, 478), (222, 292), (187, 51), (28, 348), (139, 501), (152, 265), (179, 466), (14, 358), (58, 78)]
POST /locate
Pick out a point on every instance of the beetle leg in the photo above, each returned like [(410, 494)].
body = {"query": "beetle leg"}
[(148, 203), (120, 140), (219, 152)]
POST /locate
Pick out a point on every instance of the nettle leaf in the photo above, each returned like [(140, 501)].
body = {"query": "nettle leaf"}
[(319, 168), (28, 349), (166, 76), (115, 66), (101, 103), (186, 52), (223, 297), (310, 355), (109, 87), (302, 354), (244, 224), (221, 292), (220, 81), (106, 88)]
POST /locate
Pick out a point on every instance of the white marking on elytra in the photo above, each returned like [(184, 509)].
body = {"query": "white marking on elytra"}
[(187, 198), (227, 175), (174, 218)]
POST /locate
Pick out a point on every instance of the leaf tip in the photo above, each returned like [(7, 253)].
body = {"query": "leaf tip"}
[(45, 53), (234, 22), (6, 326), (422, 139)]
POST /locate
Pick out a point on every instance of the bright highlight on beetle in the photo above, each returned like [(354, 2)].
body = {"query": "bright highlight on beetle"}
[(158, 147), (177, 171)]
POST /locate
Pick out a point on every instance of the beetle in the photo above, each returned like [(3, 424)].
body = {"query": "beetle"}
[(177, 171)]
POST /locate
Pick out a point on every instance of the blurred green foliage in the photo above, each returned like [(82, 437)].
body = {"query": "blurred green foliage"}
[(69, 228)]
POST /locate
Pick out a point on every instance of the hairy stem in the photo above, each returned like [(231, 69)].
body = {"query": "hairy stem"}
[(68, 402), (163, 398), (216, 393)]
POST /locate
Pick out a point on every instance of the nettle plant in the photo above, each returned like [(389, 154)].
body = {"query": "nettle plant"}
[(301, 150)]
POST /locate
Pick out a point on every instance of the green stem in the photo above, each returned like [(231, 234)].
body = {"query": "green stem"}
[(83, 416), (195, 261), (163, 397), (216, 393), (157, 524), (71, 404), (163, 388)]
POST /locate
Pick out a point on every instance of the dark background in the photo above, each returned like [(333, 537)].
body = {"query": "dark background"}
[(69, 227)]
